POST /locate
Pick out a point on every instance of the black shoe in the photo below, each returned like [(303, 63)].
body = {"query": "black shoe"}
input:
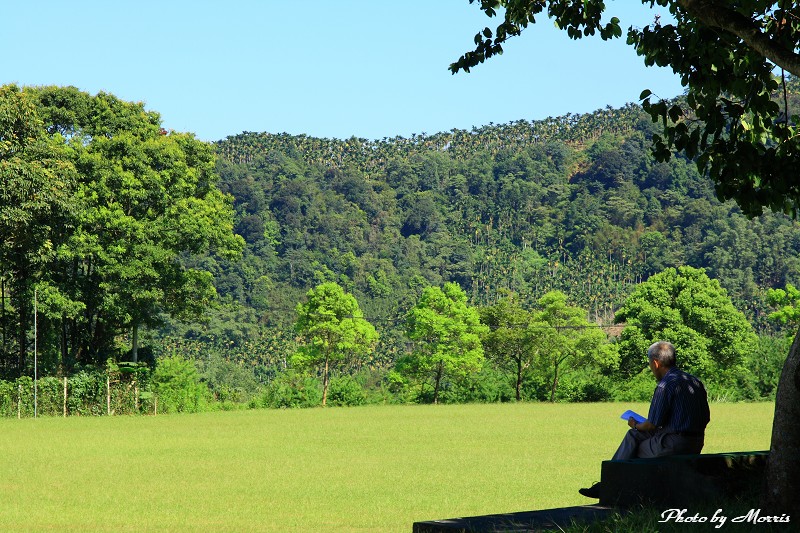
[(591, 492)]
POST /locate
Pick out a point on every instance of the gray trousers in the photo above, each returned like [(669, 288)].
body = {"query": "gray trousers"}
[(658, 443)]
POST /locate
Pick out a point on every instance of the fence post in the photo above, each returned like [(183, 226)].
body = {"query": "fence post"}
[(19, 401), (65, 396), (108, 396)]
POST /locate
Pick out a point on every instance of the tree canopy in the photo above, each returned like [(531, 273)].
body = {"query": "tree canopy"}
[(110, 259), (567, 338), (37, 180), (787, 304), (333, 330), (574, 204), (446, 333), (509, 341), (582, 208), (695, 313)]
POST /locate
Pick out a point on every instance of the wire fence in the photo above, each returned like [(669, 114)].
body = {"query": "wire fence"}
[(85, 394)]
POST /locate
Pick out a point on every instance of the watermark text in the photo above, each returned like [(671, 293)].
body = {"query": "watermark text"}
[(718, 519)]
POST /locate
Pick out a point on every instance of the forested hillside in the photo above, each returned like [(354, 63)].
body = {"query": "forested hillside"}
[(576, 204), (513, 261)]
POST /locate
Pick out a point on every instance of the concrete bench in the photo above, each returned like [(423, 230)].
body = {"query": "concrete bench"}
[(680, 480), (667, 482)]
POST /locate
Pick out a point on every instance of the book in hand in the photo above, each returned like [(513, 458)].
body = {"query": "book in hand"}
[(636, 416)]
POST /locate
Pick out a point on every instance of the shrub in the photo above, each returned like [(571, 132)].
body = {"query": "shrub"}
[(24, 395), (639, 388), (228, 381), (585, 388), (8, 394), (487, 386), (86, 393), (345, 390), (765, 364), (177, 386), (292, 389), (50, 396)]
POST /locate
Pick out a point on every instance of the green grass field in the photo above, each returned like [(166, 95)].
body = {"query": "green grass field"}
[(377, 468)]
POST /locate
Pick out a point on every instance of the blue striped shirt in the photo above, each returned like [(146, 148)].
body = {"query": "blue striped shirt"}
[(680, 403)]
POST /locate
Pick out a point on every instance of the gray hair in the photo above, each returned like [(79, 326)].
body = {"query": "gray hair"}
[(663, 352)]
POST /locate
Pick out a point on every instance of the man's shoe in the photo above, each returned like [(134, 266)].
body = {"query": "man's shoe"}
[(591, 492)]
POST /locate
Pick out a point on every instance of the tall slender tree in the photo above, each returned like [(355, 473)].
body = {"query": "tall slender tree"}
[(446, 333), (509, 341), (333, 330), (570, 340)]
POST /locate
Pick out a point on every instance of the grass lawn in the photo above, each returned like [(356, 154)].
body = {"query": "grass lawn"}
[(376, 468)]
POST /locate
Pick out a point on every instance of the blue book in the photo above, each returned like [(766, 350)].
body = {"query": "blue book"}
[(636, 416)]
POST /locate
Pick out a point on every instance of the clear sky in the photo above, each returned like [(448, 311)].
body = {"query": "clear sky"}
[(325, 68)]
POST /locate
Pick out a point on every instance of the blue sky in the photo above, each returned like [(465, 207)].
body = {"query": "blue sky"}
[(326, 68)]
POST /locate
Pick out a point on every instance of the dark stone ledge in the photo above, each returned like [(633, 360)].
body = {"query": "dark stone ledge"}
[(668, 482)]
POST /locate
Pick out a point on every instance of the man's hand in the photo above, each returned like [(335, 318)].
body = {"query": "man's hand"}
[(644, 426)]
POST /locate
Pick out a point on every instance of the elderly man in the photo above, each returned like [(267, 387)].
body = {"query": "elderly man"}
[(677, 419)]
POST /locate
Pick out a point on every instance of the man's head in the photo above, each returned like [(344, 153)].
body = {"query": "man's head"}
[(661, 355)]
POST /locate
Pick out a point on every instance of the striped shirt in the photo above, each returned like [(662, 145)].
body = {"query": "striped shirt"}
[(679, 404)]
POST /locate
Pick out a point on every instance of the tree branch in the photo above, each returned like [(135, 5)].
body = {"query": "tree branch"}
[(721, 16)]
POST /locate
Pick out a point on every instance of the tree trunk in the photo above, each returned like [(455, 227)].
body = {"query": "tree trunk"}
[(782, 494), (555, 384), (22, 336), (436, 384), (135, 344), (3, 311), (325, 383), (64, 340)]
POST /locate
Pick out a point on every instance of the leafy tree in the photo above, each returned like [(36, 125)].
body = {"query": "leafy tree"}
[(567, 338), (446, 333), (744, 140), (36, 183), (333, 330), (509, 342), (693, 312), (140, 200)]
